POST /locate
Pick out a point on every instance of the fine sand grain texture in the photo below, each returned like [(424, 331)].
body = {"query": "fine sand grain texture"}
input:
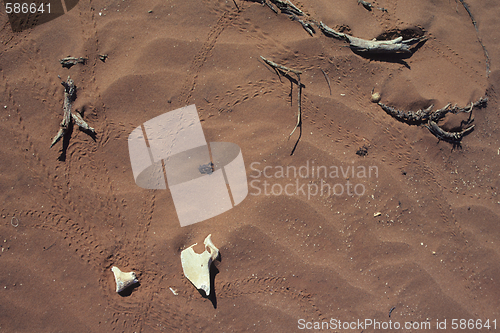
[(409, 232)]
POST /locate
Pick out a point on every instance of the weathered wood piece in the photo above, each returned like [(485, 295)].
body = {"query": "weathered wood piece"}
[(413, 117), (70, 61), (69, 97), (397, 45), (430, 118)]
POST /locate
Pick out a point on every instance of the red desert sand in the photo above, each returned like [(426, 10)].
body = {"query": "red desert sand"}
[(405, 234)]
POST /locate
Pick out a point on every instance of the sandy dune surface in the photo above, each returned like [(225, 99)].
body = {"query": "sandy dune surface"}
[(413, 240)]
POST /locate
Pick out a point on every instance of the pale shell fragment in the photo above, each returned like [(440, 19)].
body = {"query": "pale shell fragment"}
[(173, 291), (375, 97), (196, 266), (123, 279)]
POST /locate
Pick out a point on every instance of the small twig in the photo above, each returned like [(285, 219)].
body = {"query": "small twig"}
[(297, 142), (283, 68), (238, 8), (299, 113), (47, 248), (327, 80)]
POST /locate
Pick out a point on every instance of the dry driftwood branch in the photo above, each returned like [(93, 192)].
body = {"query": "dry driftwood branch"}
[(423, 115), (412, 117), (70, 61), (397, 45), (69, 92), (445, 135), (69, 97), (457, 136), (287, 70), (430, 118)]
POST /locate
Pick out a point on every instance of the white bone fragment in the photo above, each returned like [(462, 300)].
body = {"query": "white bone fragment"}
[(123, 279), (196, 266)]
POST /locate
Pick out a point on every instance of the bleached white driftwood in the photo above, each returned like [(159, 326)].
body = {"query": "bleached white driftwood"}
[(397, 45)]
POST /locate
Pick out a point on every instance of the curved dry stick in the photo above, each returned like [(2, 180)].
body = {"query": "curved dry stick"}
[(299, 113), (478, 37), (447, 136), (327, 80)]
